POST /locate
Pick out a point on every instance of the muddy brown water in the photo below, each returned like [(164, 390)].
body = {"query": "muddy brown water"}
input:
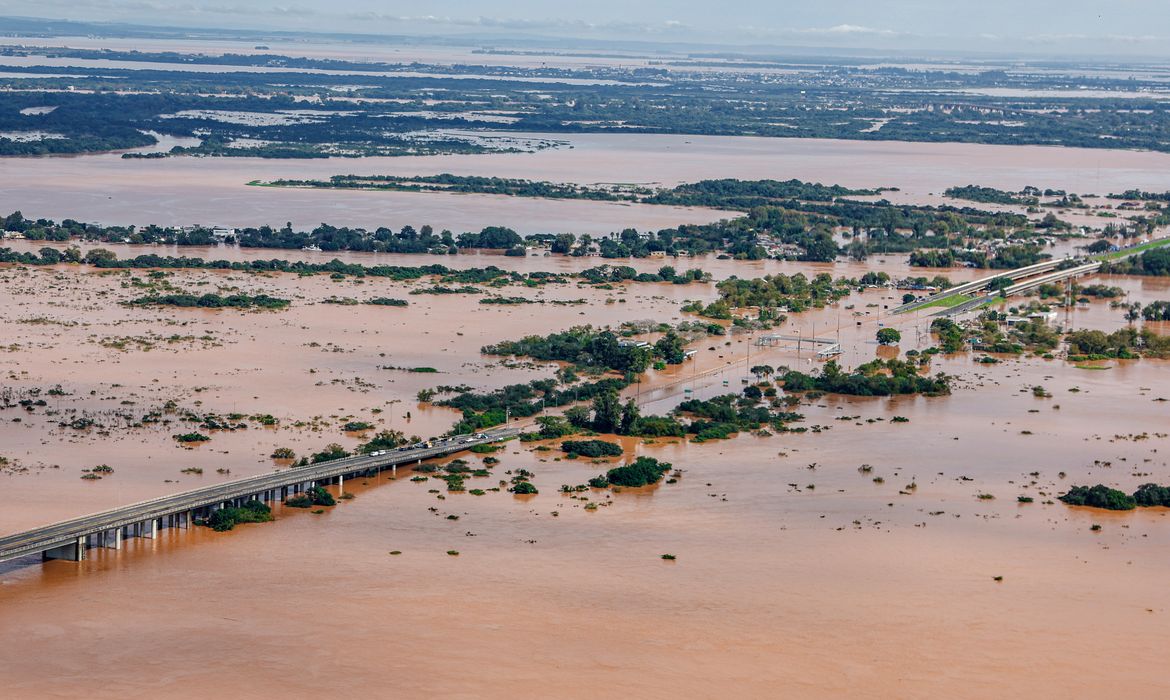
[(213, 191), (796, 573)]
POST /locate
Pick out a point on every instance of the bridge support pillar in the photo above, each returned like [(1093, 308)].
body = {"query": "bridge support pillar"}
[(74, 551), (110, 539), (340, 484), (149, 528)]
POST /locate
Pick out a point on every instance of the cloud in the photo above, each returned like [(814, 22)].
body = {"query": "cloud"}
[(510, 23), (842, 32), (848, 29)]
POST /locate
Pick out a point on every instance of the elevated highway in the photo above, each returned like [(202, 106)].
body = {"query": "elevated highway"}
[(1021, 287), (69, 539), (982, 284)]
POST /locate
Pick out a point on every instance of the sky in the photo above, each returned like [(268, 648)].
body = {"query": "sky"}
[(1064, 27)]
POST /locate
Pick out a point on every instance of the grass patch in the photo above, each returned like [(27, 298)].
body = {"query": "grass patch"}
[(949, 302)]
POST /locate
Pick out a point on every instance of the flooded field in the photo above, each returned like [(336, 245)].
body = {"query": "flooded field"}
[(795, 567), (906, 547), (214, 191)]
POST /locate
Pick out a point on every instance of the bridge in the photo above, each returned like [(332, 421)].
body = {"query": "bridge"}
[(981, 284), (1026, 279), (69, 539), (1021, 287)]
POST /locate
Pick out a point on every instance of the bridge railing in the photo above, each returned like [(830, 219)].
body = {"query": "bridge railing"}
[(63, 532)]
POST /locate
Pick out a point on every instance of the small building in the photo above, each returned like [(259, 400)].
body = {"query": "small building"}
[(1042, 316)]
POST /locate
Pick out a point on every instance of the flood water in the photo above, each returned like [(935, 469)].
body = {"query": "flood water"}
[(181, 191), (794, 569), (858, 559)]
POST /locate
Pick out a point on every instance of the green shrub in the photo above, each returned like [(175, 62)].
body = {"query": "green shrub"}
[(316, 496), (1147, 495), (191, 437), (643, 471), (592, 448), (1099, 496), (225, 519)]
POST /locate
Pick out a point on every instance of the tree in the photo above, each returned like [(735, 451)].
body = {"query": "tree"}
[(14, 222), (856, 250), (1000, 283), (908, 298), (332, 451), (762, 370), (753, 392), (1156, 261), (820, 248), (384, 440), (670, 348), (1101, 245), (1099, 496), (607, 413), (563, 243), (578, 416), (889, 336), (100, 256), (949, 333), (630, 416)]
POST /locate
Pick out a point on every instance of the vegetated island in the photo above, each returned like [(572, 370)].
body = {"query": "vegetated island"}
[(1101, 496)]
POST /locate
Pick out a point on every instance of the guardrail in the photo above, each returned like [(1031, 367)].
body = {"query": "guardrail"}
[(68, 531)]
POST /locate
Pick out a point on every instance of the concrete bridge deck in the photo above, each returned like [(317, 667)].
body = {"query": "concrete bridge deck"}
[(982, 283), (1032, 275), (1020, 288), (70, 538)]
